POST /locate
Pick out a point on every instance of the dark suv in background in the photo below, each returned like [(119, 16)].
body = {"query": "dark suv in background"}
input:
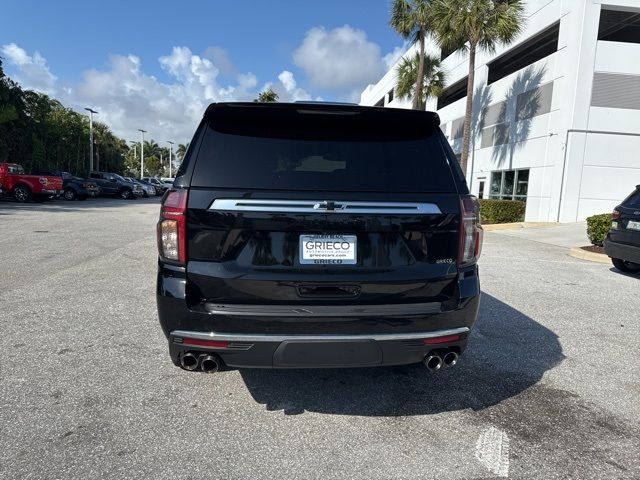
[(114, 184), (623, 241), (74, 188), (317, 235)]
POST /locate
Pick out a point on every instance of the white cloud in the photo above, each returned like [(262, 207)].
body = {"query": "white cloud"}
[(128, 99), (34, 72), (220, 58), (341, 59), (392, 57), (287, 88)]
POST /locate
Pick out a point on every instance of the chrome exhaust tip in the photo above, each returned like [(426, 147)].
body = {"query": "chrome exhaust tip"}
[(189, 361), (432, 362), (209, 364), (450, 359)]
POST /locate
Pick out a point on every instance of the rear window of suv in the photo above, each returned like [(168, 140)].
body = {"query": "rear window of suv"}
[(322, 153), (633, 200)]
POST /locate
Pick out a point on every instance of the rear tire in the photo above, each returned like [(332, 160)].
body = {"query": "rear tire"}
[(627, 267), (70, 194), (22, 194), (126, 194)]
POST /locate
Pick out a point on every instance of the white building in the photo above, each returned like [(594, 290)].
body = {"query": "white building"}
[(556, 113)]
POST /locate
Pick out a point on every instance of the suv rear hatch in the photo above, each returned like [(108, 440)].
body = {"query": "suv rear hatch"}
[(274, 189)]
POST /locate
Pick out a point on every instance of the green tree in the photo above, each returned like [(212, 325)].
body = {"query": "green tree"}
[(475, 24), (42, 134), (152, 166), (433, 79), (410, 18), (268, 96)]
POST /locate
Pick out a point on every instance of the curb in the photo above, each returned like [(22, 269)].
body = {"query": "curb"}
[(491, 227), (577, 252)]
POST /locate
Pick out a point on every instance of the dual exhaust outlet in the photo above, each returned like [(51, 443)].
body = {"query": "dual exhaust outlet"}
[(435, 362), (205, 362)]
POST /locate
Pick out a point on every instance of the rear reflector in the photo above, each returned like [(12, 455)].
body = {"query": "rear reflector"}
[(196, 342), (445, 339)]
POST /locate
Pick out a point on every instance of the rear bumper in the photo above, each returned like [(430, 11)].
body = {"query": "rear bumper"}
[(302, 336), (628, 253), (316, 351)]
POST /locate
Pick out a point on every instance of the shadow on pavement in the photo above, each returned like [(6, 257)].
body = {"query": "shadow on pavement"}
[(8, 206), (508, 353)]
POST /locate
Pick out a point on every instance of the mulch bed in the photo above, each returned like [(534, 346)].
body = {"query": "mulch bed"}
[(593, 249)]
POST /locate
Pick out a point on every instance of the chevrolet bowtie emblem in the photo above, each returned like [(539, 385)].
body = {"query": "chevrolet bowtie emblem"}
[(326, 205)]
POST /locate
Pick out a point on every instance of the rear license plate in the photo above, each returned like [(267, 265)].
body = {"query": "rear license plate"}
[(328, 249), (631, 225)]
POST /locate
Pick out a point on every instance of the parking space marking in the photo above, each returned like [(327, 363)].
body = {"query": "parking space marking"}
[(492, 450)]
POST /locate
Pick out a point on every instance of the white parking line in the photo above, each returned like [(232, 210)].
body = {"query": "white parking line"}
[(492, 450)]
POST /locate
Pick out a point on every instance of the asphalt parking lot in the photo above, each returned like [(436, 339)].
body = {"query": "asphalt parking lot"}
[(549, 387)]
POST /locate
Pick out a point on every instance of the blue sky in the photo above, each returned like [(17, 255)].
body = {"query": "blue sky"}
[(136, 60)]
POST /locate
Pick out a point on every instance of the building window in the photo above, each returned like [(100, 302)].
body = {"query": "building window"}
[(534, 102), (536, 48), (481, 190), (509, 185), (457, 128), (380, 103), (390, 96), (619, 26), (495, 135), (453, 93), (616, 90)]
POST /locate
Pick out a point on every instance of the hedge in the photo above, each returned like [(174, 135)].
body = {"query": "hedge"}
[(501, 211), (597, 228)]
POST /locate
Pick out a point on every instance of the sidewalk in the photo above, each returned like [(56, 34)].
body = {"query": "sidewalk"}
[(566, 235)]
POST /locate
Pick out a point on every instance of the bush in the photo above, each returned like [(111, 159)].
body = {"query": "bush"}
[(597, 228), (501, 211)]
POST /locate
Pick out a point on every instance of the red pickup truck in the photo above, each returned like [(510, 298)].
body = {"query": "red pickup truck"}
[(28, 187)]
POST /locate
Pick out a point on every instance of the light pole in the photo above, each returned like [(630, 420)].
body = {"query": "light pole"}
[(135, 148), (170, 152), (142, 132), (91, 112)]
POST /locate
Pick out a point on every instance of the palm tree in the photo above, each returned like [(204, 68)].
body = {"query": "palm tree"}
[(182, 150), (410, 18), (151, 148), (268, 96), (474, 23), (432, 83)]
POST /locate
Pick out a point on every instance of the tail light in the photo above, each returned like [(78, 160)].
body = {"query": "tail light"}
[(615, 215), (172, 226), (470, 243)]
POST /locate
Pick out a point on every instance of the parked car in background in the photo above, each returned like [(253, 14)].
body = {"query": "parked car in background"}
[(28, 187), (160, 186), (115, 185), (158, 190), (168, 182), (623, 241), (318, 236), (147, 190), (75, 187)]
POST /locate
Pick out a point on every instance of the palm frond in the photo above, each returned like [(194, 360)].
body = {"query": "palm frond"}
[(407, 74)]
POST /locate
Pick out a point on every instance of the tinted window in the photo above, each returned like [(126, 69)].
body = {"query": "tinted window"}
[(633, 200), (320, 158)]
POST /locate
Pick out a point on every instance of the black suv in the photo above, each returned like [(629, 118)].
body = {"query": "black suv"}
[(114, 184), (317, 235), (623, 241)]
